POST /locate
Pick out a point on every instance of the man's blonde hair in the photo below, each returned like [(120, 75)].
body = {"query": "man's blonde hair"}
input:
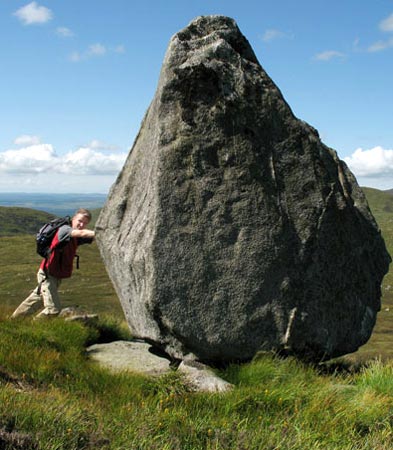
[(84, 212)]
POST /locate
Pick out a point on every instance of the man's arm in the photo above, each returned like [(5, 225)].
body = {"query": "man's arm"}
[(89, 234)]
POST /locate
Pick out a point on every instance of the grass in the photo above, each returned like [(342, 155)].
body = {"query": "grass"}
[(51, 392), (54, 397), (380, 343)]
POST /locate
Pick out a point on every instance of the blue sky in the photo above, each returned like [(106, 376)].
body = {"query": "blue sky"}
[(77, 76)]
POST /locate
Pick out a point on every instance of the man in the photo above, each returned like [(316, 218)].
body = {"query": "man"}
[(57, 266)]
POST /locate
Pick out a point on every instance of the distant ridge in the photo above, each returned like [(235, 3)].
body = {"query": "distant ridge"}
[(14, 220), (381, 202), (57, 204)]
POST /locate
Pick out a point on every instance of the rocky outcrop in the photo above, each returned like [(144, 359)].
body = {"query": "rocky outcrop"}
[(232, 228)]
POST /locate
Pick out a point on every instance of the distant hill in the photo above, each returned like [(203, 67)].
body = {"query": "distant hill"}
[(14, 220), (389, 191), (381, 202), (381, 205)]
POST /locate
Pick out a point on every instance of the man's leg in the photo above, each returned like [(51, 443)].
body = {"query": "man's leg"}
[(50, 295), (31, 304)]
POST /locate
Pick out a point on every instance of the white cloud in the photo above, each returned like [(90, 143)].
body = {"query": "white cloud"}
[(86, 161), (374, 162), (64, 32), (75, 57), (32, 159), (272, 34), (96, 50), (328, 55), (42, 158), (27, 140), (119, 49), (387, 24), (380, 46), (95, 144), (32, 13)]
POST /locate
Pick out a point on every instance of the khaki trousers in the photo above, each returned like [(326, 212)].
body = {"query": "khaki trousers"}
[(47, 293)]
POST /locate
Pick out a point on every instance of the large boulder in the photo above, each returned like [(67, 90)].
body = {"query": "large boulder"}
[(232, 228)]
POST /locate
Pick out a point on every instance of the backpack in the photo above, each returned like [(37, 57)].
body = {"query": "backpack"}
[(46, 234)]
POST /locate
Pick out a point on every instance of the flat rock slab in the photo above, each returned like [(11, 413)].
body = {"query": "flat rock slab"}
[(138, 357), (129, 355)]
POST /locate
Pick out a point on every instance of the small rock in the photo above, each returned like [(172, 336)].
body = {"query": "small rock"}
[(74, 314), (85, 318), (202, 379), (69, 311)]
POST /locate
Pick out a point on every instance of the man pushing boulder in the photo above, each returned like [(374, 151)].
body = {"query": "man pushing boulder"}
[(57, 265)]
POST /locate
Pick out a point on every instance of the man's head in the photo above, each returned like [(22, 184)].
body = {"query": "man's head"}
[(81, 218)]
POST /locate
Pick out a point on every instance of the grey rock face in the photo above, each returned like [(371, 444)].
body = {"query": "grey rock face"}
[(232, 228)]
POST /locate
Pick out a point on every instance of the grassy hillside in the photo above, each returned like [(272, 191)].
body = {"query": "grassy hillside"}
[(380, 344), (14, 220), (381, 203), (88, 288)]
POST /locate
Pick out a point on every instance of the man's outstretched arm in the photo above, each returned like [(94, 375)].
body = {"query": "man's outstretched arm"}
[(89, 234)]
